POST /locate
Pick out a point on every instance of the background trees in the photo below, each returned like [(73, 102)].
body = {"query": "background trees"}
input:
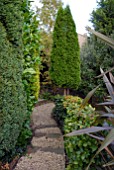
[(46, 14), (65, 59), (95, 53), (103, 17)]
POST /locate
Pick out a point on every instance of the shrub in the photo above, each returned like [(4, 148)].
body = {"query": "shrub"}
[(12, 95), (93, 57), (31, 67), (79, 149), (31, 56)]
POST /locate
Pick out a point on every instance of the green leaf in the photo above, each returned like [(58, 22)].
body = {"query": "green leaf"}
[(88, 130), (109, 88), (87, 98), (111, 77), (29, 70), (109, 41), (106, 142), (108, 85)]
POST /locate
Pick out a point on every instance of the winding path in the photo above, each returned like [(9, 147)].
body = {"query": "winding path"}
[(47, 147)]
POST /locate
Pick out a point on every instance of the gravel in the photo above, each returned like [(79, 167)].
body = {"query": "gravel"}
[(47, 143)]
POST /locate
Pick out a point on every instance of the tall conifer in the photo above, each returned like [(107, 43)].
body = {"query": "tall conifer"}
[(65, 59)]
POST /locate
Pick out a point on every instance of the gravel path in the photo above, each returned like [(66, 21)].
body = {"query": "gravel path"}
[(47, 148)]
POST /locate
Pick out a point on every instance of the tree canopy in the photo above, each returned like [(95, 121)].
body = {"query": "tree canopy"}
[(103, 17)]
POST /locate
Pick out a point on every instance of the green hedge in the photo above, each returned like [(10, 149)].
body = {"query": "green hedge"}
[(12, 95), (31, 56), (31, 67), (79, 149)]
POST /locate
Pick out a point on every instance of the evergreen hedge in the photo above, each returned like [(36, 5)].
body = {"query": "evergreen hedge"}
[(12, 95), (65, 55)]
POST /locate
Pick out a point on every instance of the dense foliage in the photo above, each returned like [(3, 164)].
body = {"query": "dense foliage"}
[(12, 95), (108, 79), (103, 17), (31, 66), (46, 14), (31, 56), (79, 149), (103, 21), (90, 68), (65, 60), (95, 53)]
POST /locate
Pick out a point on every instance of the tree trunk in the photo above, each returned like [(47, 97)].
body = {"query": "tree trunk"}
[(65, 92)]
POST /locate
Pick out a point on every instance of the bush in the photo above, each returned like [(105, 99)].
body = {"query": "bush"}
[(31, 68), (93, 57), (79, 149), (12, 95), (31, 56)]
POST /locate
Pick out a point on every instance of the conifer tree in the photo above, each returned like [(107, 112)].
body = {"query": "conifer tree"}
[(65, 58), (46, 15), (102, 18)]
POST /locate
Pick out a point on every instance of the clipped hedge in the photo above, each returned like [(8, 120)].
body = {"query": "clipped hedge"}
[(79, 149), (12, 95)]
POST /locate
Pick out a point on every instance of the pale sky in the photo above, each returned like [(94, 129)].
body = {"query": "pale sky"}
[(81, 10)]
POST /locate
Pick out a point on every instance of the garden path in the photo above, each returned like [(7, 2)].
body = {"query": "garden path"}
[(47, 147)]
